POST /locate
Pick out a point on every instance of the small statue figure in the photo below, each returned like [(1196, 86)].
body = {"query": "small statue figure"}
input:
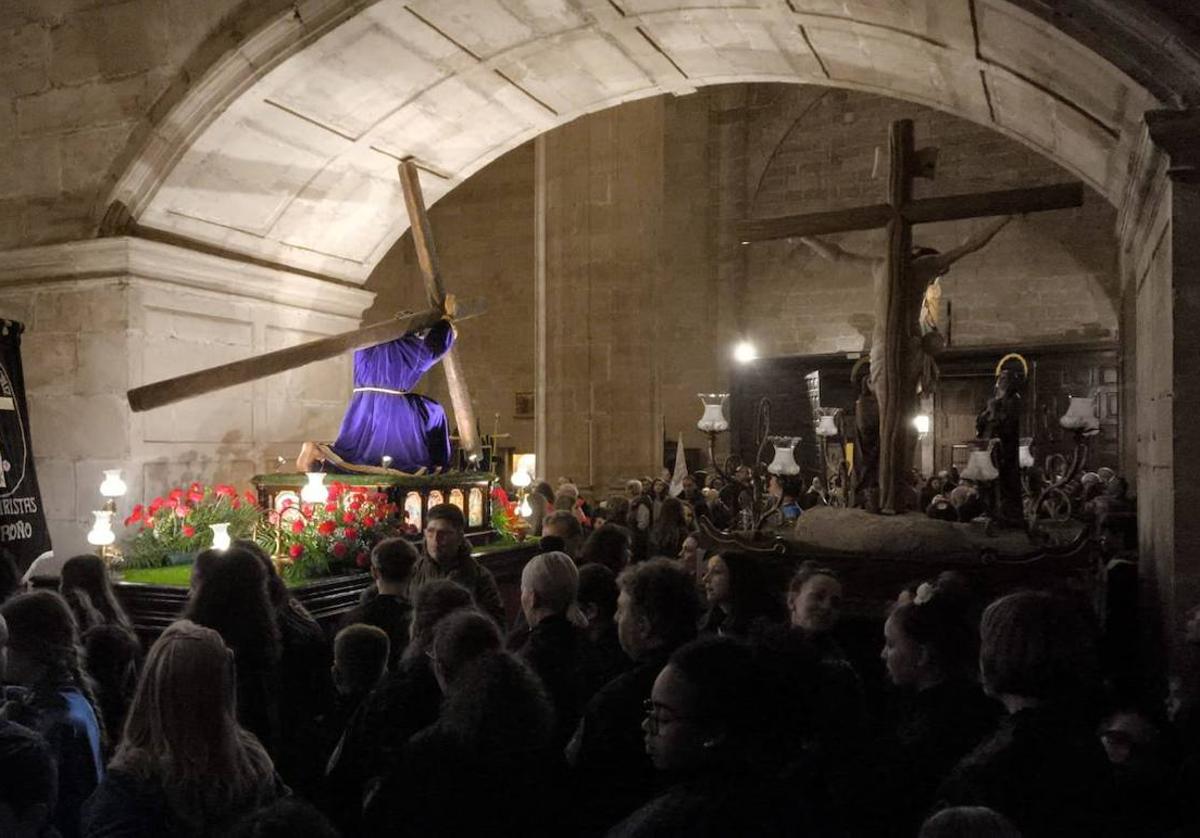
[(1001, 421)]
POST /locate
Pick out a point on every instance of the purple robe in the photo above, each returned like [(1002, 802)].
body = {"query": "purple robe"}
[(409, 428)]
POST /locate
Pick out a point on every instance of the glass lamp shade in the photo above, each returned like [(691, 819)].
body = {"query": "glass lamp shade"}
[(785, 460), (827, 426), (315, 490), (220, 536), (101, 534), (112, 486), (520, 479), (713, 420), (385, 461), (525, 510), (980, 468), (1080, 415), (1024, 454)]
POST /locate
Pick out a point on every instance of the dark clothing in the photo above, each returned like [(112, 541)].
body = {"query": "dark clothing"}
[(376, 734), (667, 543), (935, 729), (466, 571), (68, 724), (716, 807), (446, 787), (392, 614), (304, 693), (600, 661), (551, 649), (1045, 770), (126, 806), (613, 775)]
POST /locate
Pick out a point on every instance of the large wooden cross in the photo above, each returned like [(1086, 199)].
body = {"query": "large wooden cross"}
[(197, 383), (898, 214)]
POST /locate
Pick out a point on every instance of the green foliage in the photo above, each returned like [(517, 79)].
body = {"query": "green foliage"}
[(179, 523)]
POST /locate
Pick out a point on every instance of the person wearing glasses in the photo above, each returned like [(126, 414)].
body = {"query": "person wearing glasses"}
[(707, 729)]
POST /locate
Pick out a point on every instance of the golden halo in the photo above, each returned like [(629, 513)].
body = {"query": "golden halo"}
[(1024, 363)]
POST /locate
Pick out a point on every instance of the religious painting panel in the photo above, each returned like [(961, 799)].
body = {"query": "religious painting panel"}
[(413, 507), (435, 497), (456, 499), (475, 508)]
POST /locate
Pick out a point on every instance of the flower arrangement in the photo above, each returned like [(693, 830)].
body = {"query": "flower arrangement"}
[(318, 539), (177, 524), (509, 525)]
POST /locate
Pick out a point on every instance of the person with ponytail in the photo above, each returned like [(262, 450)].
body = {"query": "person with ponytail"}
[(87, 589), (931, 652), (54, 697), (551, 645), (184, 767)]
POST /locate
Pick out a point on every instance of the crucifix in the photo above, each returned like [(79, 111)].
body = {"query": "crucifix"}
[(896, 343), (239, 372)]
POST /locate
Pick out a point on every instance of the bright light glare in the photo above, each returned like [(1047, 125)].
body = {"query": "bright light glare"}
[(921, 423), (744, 352)]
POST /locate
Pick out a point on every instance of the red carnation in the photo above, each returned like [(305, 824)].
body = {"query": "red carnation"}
[(339, 550), (135, 515), (196, 487), (188, 531), (175, 494), (224, 490), (171, 503), (250, 497), (297, 526), (326, 527), (348, 518), (296, 551), (357, 505), (331, 507), (336, 489), (351, 533), (196, 497), (368, 521), (234, 503), (182, 510), (362, 559), (306, 509), (156, 505)]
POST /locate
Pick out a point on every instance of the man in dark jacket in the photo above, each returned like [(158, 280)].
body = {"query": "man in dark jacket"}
[(447, 555), (657, 611), (386, 605)]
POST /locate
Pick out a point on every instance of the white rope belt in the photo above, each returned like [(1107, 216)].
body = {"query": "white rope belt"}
[(387, 390)]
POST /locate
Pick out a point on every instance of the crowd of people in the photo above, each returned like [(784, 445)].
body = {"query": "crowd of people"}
[(637, 687)]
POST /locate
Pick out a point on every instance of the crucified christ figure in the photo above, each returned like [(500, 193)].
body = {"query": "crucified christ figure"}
[(924, 271)]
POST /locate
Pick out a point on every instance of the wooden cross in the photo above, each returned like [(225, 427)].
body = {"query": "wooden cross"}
[(208, 380), (897, 395)]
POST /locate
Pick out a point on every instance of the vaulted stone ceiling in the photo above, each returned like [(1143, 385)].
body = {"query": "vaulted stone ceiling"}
[(287, 149)]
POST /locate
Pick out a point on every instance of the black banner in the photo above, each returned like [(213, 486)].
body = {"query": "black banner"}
[(22, 522)]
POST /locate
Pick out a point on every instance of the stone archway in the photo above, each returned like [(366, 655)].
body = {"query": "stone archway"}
[(304, 121)]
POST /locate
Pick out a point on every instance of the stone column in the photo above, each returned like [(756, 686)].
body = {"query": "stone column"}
[(1160, 254), (106, 315)]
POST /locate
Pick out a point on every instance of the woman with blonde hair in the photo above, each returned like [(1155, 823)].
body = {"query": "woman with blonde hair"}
[(185, 767)]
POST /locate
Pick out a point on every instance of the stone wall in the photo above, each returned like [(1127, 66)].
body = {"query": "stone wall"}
[(79, 83), (111, 314), (1048, 277)]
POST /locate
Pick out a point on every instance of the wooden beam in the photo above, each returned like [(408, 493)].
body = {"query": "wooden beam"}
[(921, 211), (814, 223), (1002, 202), (198, 383), (422, 236)]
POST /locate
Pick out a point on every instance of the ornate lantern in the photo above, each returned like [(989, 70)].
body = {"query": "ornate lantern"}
[(713, 421), (1081, 415), (784, 462), (980, 468), (827, 426), (220, 539), (314, 490)]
